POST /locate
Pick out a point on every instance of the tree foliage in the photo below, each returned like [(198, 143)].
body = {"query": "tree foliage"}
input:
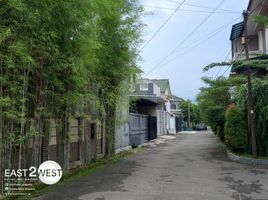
[(236, 130), (260, 95), (194, 112), (62, 59), (213, 101)]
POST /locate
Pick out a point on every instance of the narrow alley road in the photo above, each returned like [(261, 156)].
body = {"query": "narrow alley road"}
[(190, 167)]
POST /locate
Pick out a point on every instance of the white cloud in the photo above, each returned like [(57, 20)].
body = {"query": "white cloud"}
[(160, 4)]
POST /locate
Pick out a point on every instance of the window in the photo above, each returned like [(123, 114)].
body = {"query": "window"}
[(144, 87), (173, 107)]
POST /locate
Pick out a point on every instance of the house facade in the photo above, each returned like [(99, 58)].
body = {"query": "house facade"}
[(175, 109), (165, 116), (145, 98), (150, 110), (257, 37)]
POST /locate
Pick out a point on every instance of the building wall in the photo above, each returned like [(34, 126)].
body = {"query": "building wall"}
[(261, 41), (161, 128), (122, 124), (172, 126), (152, 90), (265, 42), (122, 131), (167, 106), (95, 143), (253, 44), (147, 110)]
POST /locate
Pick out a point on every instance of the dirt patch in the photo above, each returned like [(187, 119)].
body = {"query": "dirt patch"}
[(241, 188)]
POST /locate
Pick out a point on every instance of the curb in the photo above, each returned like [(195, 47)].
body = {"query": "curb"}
[(246, 160), (119, 150)]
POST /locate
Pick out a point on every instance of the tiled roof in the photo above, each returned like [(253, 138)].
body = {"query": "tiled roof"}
[(237, 31), (163, 84)]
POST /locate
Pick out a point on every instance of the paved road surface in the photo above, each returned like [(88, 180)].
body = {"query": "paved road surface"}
[(190, 167)]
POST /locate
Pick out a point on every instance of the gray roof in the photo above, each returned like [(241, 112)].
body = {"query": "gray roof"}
[(163, 84), (175, 98), (237, 31)]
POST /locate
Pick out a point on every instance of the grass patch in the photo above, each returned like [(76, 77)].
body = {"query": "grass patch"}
[(221, 146), (250, 156), (76, 174)]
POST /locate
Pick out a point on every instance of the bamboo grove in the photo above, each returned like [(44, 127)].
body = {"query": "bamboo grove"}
[(59, 60)]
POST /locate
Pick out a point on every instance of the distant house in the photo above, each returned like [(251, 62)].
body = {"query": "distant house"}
[(145, 97), (151, 110), (175, 109), (123, 118), (175, 105), (257, 37), (165, 116)]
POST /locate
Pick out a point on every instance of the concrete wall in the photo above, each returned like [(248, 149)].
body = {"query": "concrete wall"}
[(160, 122), (147, 110), (96, 145), (122, 124), (253, 44), (172, 126)]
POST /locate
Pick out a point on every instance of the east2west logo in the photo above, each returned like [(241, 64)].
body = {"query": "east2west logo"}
[(49, 172)]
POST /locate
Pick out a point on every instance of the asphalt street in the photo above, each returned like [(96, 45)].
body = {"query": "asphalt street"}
[(189, 167)]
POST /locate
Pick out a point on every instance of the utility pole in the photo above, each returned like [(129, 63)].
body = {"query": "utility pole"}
[(189, 114), (250, 93)]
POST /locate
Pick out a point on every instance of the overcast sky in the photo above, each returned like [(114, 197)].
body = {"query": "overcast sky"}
[(209, 43)]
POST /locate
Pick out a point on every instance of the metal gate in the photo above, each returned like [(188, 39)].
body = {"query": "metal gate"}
[(178, 124), (138, 129), (152, 128)]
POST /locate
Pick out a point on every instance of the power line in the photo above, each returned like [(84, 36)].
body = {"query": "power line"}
[(159, 29), (199, 41), (243, 48), (234, 61), (188, 10), (206, 7), (255, 8), (202, 39), (194, 46), (188, 36), (231, 49), (224, 61)]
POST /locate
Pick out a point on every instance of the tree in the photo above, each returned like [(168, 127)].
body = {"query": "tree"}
[(236, 130), (260, 89), (60, 60), (194, 111), (213, 101), (119, 37)]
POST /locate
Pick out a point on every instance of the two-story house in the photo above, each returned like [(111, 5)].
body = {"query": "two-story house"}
[(175, 109), (164, 114), (145, 98), (175, 105), (257, 37)]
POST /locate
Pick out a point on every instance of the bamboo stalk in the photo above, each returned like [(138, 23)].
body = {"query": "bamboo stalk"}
[(1, 131)]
